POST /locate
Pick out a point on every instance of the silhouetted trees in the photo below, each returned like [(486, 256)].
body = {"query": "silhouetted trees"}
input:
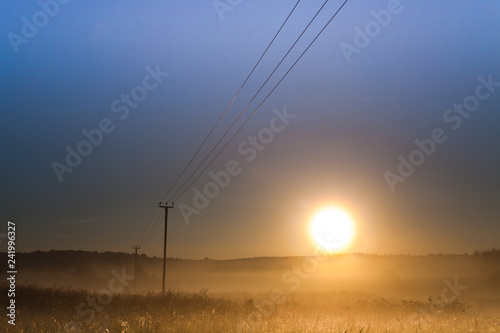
[(488, 254)]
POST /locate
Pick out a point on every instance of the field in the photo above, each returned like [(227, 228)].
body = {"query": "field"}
[(74, 291), (70, 310)]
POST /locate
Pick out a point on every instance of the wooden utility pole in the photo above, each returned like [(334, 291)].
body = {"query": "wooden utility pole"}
[(166, 206), (135, 266)]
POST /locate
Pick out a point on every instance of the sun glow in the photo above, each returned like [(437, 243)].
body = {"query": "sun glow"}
[(332, 229)]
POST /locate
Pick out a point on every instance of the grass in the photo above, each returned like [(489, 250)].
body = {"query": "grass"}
[(51, 309)]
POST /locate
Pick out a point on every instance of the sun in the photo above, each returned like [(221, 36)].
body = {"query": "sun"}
[(332, 229)]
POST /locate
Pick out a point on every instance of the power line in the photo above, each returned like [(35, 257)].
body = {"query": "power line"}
[(263, 101), (152, 230), (220, 118), (148, 225), (234, 98), (279, 82), (253, 98)]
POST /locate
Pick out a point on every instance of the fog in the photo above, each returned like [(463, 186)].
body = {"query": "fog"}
[(465, 276)]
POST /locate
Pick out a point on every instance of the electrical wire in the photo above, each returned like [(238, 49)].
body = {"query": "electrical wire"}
[(248, 119), (279, 82), (152, 230), (234, 98), (147, 227), (253, 98), (220, 118)]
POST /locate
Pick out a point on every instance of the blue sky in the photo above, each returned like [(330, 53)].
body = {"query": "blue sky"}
[(353, 120)]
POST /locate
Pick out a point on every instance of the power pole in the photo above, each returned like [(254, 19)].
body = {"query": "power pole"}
[(166, 206), (135, 266)]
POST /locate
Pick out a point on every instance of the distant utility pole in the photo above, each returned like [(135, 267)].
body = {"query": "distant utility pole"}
[(135, 266), (166, 206)]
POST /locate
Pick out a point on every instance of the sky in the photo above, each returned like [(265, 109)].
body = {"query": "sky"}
[(340, 130)]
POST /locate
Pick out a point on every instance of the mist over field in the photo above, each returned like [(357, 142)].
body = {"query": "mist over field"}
[(383, 275)]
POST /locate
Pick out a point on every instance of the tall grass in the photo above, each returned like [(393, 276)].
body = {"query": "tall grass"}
[(51, 309)]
